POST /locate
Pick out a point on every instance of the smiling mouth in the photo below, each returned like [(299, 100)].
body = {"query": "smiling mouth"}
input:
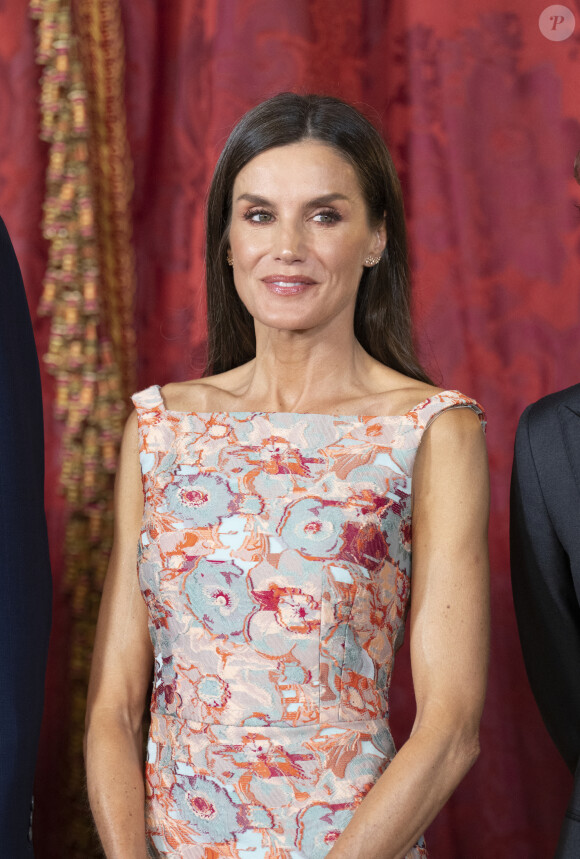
[(288, 285)]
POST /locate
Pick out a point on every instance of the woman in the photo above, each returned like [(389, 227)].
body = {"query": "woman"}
[(275, 533)]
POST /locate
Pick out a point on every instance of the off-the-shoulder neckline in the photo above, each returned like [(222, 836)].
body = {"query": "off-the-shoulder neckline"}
[(463, 401)]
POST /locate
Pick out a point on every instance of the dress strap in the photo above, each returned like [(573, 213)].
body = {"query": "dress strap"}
[(148, 400), (429, 410)]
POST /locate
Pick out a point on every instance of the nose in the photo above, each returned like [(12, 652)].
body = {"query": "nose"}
[(289, 243)]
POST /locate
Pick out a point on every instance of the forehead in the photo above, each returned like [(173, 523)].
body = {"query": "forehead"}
[(305, 168)]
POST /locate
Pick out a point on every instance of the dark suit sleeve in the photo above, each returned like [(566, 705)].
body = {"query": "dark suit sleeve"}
[(545, 600), (25, 583)]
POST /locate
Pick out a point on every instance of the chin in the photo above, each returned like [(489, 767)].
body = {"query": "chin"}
[(285, 325)]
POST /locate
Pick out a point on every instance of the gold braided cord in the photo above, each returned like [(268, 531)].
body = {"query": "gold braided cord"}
[(88, 295), (101, 38)]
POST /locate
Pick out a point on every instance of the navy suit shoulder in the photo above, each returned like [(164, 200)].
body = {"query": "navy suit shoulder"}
[(551, 429), (24, 561), (545, 405), (542, 421), (545, 565)]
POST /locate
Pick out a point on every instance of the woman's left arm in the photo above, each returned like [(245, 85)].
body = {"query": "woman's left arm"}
[(449, 638)]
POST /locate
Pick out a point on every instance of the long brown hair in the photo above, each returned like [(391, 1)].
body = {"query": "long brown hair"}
[(382, 321)]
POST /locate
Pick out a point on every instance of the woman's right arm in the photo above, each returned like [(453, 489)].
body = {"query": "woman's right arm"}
[(120, 676)]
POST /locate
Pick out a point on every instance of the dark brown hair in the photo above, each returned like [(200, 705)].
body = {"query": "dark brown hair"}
[(382, 322)]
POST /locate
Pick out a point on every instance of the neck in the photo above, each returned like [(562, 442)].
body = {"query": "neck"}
[(301, 372)]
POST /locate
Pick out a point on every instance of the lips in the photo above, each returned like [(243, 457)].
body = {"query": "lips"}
[(288, 284)]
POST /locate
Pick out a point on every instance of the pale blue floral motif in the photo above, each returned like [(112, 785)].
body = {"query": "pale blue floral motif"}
[(216, 597), (202, 498), (212, 691), (312, 527), (206, 806), (325, 823)]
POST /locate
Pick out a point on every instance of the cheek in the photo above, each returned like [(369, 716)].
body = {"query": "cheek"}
[(246, 251), (348, 248), (345, 261), (242, 284)]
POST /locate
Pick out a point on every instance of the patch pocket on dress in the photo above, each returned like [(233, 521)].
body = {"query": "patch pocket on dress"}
[(368, 632)]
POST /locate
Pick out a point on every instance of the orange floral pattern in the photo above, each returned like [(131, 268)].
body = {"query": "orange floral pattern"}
[(275, 560)]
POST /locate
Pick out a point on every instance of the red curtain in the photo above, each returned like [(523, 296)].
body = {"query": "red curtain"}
[(481, 113)]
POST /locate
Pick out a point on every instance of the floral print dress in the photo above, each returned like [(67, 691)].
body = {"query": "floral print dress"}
[(275, 561)]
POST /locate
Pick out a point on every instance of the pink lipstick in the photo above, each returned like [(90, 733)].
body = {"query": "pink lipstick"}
[(288, 284)]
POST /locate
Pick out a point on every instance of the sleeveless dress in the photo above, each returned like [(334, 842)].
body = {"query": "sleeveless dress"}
[(275, 561)]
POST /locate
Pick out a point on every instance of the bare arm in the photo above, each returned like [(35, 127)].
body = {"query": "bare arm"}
[(449, 643), (120, 674)]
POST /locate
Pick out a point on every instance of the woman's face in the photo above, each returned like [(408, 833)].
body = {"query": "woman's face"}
[(299, 237)]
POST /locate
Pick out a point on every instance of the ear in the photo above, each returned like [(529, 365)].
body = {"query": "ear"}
[(379, 240)]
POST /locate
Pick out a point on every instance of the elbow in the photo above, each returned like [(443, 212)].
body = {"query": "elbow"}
[(109, 726), (88, 735), (471, 749), (465, 747), (455, 744)]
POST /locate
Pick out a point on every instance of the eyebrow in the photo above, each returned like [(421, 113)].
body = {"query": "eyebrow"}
[(324, 200)]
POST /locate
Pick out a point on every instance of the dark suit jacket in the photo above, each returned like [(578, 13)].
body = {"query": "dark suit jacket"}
[(545, 562), (25, 585)]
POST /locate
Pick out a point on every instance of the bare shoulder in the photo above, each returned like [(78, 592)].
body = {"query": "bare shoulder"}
[(400, 394), (130, 440), (211, 393), (128, 484), (451, 474), (457, 428), (412, 393), (395, 393)]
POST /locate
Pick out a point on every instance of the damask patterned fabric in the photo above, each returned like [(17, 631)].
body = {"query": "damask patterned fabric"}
[(275, 560)]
